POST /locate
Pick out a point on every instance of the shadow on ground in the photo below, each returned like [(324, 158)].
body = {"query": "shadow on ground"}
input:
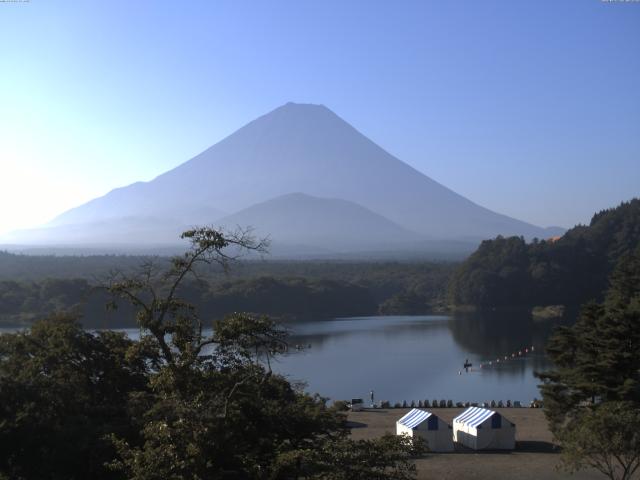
[(537, 447), (530, 446), (356, 425)]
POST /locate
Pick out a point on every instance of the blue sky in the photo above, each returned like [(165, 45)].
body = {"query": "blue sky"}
[(529, 108)]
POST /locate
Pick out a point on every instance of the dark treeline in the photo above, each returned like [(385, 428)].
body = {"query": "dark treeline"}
[(22, 267), (592, 392), (570, 270), (285, 289), (22, 303)]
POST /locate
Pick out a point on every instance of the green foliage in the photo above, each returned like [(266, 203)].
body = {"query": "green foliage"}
[(341, 406), (606, 438), (61, 391), (596, 378), (598, 357), (222, 424), (21, 303), (290, 296), (178, 403), (569, 271), (386, 458), (405, 304)]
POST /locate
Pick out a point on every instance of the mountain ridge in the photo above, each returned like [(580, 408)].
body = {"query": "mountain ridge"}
[(300, 148), (298, 218)]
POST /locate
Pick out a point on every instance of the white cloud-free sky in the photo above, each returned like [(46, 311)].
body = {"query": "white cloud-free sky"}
[(529, 108)]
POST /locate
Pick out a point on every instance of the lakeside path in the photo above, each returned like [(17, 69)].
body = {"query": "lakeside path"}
[(535, 457)]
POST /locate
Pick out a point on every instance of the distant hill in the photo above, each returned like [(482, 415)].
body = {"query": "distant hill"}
[(295, 148), (302, 220), (569, 271)]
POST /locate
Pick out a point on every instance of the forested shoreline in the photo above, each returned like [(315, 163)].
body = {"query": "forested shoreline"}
[(290, 290), (570, 270)]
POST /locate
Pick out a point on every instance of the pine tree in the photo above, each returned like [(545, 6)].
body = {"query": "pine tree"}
[(597, 372)]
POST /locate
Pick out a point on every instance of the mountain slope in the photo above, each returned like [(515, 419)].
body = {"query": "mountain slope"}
[(118, 231), (301, 148), (331, 224)]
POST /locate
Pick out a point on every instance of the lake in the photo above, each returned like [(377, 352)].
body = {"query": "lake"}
[(417, 357)]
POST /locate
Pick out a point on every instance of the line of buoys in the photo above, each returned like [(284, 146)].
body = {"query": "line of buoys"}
[(535, 403), (517, 354)]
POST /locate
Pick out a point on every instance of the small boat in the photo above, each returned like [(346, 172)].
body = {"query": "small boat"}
[(467, 364)]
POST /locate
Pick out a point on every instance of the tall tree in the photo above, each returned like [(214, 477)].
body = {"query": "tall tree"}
[(216, 409), (592, 395)]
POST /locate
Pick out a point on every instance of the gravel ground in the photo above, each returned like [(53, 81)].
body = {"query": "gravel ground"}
[(535, 457)]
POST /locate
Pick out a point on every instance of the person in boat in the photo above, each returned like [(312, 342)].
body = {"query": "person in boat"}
[(467, 365)]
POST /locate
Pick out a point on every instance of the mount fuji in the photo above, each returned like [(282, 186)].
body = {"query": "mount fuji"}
[(301, 175)]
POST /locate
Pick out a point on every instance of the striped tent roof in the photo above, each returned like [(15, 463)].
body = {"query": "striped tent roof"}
[(414, 418), (474, 416)]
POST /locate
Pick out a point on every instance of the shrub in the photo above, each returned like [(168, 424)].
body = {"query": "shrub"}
[(341, 405)]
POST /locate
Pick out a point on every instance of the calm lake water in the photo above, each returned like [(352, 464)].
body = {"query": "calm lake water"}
[(417, 357)]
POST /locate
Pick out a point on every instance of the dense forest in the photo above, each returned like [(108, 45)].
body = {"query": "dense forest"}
[(592, 392), (570, 270), (31, 287)]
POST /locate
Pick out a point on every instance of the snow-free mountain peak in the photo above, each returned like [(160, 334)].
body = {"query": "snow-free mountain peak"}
[(299, 148)]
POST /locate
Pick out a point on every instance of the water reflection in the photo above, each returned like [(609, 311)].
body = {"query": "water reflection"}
[(489, 336), (317, 333), (419, 357)]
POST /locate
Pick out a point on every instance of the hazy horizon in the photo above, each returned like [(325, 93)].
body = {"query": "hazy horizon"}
[(351, 197), (530, 110)]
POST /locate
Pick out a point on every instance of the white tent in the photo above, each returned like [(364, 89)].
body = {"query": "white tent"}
[(483, 429), (434, 430)]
